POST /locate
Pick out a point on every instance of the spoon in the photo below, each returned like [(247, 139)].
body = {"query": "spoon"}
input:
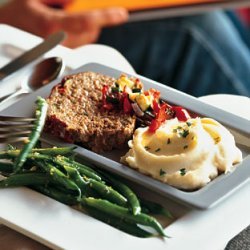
[(41, 74)]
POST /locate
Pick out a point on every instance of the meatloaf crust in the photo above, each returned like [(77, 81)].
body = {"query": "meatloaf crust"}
[(76, 114)]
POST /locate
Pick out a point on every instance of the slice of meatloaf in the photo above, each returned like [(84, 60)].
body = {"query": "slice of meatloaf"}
[(76, 114)]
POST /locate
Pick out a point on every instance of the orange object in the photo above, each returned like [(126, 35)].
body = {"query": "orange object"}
[(78, 5)]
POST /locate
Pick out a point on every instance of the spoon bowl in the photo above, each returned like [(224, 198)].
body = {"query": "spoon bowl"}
[(45, 72), (40, 74)]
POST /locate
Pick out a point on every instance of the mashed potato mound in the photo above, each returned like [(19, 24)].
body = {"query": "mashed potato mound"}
[(186, 155)]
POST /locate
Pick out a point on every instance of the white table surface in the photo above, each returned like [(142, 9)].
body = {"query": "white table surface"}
[(210, 229)]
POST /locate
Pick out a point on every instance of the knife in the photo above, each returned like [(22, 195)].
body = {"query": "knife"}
[(32, 54)]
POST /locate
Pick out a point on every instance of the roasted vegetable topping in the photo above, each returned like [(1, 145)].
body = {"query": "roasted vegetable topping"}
[(128, 95)]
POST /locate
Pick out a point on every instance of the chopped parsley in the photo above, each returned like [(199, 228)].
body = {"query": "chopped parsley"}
[(136, 90), (115, 89), (184, 133), (181, 131), (182, 171), (162, 172), (112, 100), (189, 124), (157, 150)]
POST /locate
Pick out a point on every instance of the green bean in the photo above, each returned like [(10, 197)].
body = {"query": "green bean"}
[(155, 208), (57, 194), (83, 170), (120, 224), (81, 166), (54, 151), (59, 177), (35, 134), (6, 167), (108, 192), (26, 179), (126, 192), (76, 177), (123, 213), (12, 154), (61, 161), (96, 185)]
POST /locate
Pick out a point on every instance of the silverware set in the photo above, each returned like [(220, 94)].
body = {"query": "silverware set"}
[(16, 129), (40, 74)]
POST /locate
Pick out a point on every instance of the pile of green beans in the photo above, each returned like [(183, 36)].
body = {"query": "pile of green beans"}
[(54, 173)]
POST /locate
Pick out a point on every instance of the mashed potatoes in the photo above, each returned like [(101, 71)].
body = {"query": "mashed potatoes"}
[(186, 155)]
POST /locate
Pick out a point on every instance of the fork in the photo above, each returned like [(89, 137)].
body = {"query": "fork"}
[(15, 129)]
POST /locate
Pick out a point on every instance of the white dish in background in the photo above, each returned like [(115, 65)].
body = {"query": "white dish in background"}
[(235, 104)]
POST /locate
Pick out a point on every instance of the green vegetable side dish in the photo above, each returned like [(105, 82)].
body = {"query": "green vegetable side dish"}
[(50, 171), (41, 111)]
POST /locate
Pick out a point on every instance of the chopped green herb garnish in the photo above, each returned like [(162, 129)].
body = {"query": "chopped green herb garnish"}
[(112, 100), (115, 89), (175, 130), (169, 141), (136, 90), (157, 150), (189, 124), (184, 133), (162, 172), (182, 171)]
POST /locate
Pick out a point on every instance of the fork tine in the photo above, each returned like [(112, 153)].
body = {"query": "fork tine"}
[(16, 119), (12, 139), (15, 127), (14, 134)]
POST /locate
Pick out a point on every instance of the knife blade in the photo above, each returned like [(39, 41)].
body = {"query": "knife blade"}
[(34, 53)]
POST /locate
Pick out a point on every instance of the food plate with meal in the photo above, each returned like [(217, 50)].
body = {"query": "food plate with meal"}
[(148, 133)]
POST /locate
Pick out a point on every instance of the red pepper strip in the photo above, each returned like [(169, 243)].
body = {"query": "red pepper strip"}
[(181, 113), (156, 107), (161, 117), (154, 125), (127, 108), (105, 104)]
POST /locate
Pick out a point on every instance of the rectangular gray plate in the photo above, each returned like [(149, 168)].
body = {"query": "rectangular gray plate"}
[(206, 197)]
